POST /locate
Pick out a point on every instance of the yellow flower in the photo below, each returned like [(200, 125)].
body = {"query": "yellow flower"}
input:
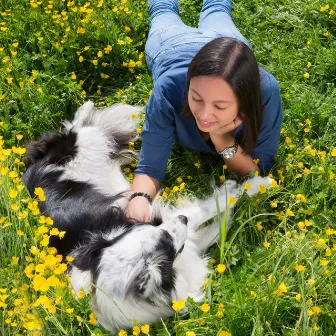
[(122, 332), (220, 268), (274, 204), (247, 186), (15, 260), (306, 75), (253, 293), (198, 164), (309, 65), (13, 193), (289, 213), (80, 30), (145, 329), (19, 136), (262, 188), (299, 268), (310, 281), (190, 333), (9, 80), (259, 226), (324, 262), (301, 198), (81, 59), (20, 233), (205, 307), (178, 305), (69, 310), (281, 290), (266, 244), (232, 200), (136, 330), (224, 333)]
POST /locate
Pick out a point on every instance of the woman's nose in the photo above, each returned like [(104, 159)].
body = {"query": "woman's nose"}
[(205, 113)]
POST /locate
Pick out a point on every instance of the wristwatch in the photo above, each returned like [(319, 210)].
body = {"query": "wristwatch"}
[(229, 152)]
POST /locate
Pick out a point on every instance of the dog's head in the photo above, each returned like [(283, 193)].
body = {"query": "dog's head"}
[(132, 268)]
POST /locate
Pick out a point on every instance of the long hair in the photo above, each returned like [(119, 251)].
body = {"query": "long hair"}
[(235, 63)]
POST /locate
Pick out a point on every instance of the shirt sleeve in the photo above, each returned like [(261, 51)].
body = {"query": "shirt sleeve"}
[(157, 136), (268, 140)]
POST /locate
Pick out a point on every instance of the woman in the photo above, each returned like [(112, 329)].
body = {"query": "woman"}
[(209, 94)]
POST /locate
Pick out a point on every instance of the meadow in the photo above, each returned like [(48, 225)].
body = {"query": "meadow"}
[(274, 273)]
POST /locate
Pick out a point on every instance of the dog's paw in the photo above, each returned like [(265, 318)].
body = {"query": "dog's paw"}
[(228, 187), (255, 184)]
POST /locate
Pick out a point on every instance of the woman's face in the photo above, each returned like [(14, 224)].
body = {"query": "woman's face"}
[(212, 102)]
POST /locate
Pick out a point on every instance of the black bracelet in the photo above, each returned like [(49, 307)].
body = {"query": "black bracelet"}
[(140, 193)]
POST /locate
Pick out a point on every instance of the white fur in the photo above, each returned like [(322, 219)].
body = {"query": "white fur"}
[(122, 263)]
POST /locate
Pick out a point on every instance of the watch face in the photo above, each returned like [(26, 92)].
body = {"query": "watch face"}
[(229, 153)]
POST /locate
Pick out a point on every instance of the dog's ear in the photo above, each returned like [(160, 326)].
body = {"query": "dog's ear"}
[(87, 256), (37, 150), (58, 147)]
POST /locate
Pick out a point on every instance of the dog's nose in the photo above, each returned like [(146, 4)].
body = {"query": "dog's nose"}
[(183, 219)]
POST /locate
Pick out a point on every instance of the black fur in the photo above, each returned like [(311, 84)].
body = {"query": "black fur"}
[(53, 148)]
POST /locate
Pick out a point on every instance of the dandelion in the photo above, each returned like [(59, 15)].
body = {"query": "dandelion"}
[(266, 244), (253, 293), (190, 333), (198, 164), (259, 226), (306, 75), (298, 297), (274, 204)]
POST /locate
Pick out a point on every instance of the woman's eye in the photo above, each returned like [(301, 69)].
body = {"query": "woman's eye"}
[(197, 100), (220, 108)]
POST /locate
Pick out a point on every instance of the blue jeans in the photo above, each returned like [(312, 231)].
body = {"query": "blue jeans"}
[(168, 33)]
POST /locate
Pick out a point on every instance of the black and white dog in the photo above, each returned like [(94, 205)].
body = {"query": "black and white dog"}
[(134, 270)]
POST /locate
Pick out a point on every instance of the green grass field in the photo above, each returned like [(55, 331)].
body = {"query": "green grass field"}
[(280, 254)]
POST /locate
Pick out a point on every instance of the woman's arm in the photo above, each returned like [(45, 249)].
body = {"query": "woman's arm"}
[(241, 164)]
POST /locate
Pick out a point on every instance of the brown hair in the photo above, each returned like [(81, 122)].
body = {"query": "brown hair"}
[(236, 64)]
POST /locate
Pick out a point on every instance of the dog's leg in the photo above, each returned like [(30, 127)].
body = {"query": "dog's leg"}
[(198, 212)]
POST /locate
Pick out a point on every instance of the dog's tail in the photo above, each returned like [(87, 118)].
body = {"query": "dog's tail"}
[(118, 122)]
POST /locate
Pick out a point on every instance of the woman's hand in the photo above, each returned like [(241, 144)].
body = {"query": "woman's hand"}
[(138, 209), (222, 137)]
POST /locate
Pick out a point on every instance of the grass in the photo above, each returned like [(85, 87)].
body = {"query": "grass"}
[(280, 252)]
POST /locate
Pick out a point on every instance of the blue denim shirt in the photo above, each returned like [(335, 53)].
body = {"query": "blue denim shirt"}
[(164, 123)]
